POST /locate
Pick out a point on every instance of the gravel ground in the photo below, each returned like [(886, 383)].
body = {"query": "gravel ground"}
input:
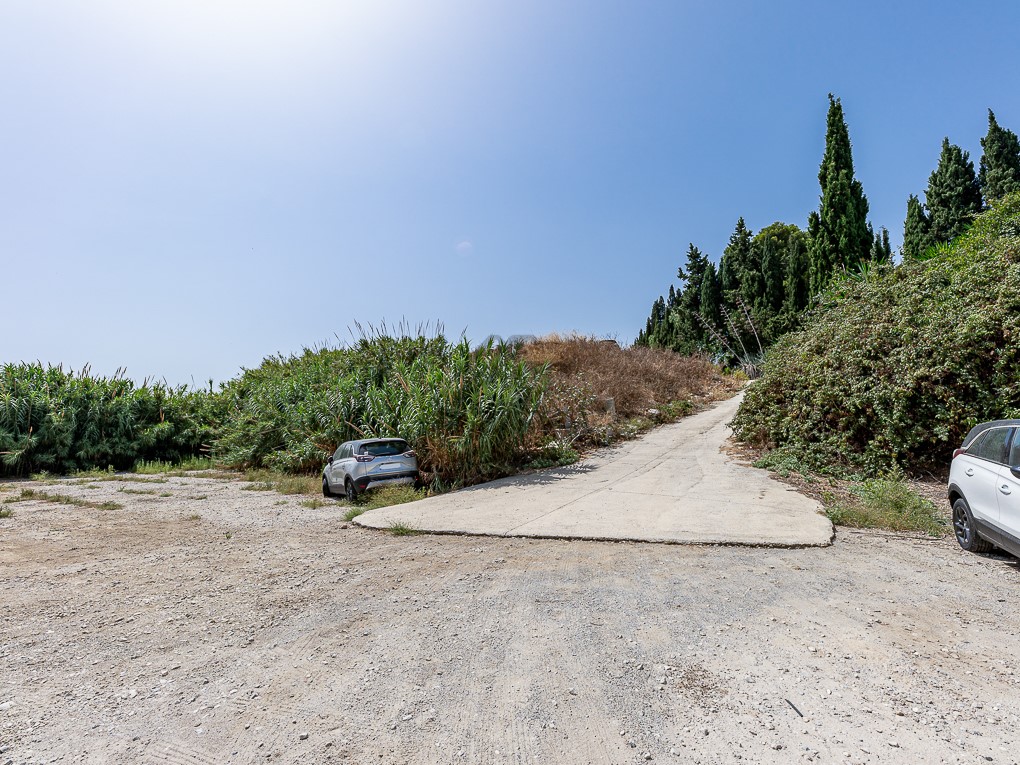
[(218, 625)]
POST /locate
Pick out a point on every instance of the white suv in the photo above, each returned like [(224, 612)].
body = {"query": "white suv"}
[(358, 466), (984, 488)]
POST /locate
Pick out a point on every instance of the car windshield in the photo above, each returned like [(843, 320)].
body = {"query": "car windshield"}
[(384, 448)]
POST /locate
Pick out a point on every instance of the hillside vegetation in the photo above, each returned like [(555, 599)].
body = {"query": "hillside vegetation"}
[(897, 363), (471, 414)]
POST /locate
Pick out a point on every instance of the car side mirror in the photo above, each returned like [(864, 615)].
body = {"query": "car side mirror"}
[(1015, 470), (330, 459)]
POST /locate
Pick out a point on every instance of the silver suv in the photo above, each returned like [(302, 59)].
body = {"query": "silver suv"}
[(357, 466), (984, 488)]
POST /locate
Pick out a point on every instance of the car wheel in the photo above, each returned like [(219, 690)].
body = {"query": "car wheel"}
[(325, 487), (352, 493), (966, 533)]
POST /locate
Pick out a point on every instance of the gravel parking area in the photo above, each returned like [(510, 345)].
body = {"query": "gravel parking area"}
[(220, 625)]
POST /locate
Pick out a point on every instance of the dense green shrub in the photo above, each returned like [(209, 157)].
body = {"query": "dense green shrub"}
[(467, 413), (59, 421), (899, 362)]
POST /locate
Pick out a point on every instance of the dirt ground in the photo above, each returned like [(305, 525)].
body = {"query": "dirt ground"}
[(218, 625)]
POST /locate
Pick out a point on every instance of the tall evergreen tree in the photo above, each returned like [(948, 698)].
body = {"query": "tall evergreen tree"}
[(916, 230), (881, 250), (752, 277), (839, 229), (650, 335), (685, 333), (773, 271), (693, 271), (735, 258), (710, 297), (953, 197), (797, 283), (1000, 162)]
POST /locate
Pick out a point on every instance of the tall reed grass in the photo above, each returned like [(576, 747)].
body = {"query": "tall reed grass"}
[(467, 413), (61, 421)]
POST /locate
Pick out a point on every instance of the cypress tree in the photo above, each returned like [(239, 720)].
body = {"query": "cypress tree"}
[(650, 335), (839, 229), (693, 272), (879, 244), (953, 197), (752, 277), (1000, 162), (916, 230), (710, 297), (881, 250), (735, 258), (797, 283), (773, 271)]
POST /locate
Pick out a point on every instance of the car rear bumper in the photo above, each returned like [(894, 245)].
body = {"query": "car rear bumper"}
[(395, 479)]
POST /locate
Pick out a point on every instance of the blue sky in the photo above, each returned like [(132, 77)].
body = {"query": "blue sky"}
[(188, 186)]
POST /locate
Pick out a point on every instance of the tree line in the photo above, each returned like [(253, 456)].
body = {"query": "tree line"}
[(766, 280)]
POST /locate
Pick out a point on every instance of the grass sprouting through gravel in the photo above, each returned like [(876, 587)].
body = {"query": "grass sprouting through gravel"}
[(30, 495), (885, 503)]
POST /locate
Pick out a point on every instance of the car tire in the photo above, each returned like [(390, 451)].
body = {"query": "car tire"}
[(966, 533), (325, 487), (352, 493)]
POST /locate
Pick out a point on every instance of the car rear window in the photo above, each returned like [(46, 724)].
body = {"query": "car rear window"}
[(991, 445), (384, 448)]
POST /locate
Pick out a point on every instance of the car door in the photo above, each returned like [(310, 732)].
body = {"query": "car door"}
[(981, 464), (336, 475), (1008, 490), (345, 464)]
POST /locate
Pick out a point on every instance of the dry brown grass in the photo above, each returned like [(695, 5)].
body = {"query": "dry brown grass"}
[(637, 379)]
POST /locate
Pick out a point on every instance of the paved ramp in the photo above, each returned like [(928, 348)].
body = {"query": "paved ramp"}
[(673, 485)]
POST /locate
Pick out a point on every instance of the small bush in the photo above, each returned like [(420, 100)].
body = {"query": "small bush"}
[(6, 512), (554, 454)]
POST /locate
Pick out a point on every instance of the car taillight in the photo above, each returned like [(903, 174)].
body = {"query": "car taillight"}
[(958, 452), (364, 457)]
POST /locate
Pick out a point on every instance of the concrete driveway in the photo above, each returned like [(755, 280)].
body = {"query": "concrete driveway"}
[(673, 485)]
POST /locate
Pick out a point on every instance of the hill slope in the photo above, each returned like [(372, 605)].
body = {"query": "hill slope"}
[(896, 365)]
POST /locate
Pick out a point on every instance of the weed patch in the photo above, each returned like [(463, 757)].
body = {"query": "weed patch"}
[(33, 495), (163, 467), (402, 530), (354, 511), (884, 503), (268, 480), (6, 512)]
